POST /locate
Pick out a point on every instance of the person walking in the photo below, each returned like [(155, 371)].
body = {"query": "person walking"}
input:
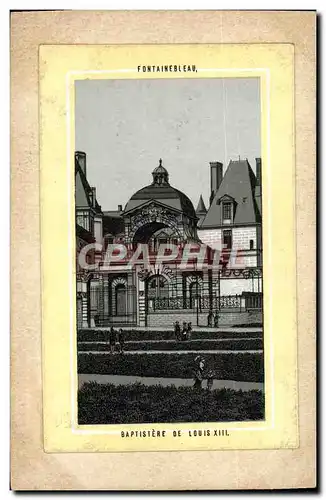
[(121, 340), (210, 379), (210, 318), (198, 372), (113, 338), (184, 331), (177, 330), (189, 330), (216, 319)]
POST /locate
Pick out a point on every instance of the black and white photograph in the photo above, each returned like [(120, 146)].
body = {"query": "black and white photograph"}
[(169, 255)]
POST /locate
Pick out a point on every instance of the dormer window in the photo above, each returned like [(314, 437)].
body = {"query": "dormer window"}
[(228, 207), (227, 211)]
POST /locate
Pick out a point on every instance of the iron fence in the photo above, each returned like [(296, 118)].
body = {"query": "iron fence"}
[(203, 303)]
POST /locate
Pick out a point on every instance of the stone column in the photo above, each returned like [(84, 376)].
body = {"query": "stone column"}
[(101, 299), (106, 296), (129, 298), (85, 309), (141, 303), (210, 288)]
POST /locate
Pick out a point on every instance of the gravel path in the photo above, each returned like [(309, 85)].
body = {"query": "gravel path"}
[(177, 382), (226, 329)]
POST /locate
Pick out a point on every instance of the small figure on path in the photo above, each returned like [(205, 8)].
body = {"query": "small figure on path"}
[(189, 330), (121, 340), (198, 372), (112, 338), (177, 330), (184, 331), (210, 379), (216, 319), (210, 318)]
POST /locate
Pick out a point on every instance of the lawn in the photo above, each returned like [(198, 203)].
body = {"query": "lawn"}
[(136, 403), (247, 367), (193, 345)]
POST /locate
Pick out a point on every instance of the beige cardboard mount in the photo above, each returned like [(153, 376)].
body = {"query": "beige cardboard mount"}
[(31, 467)]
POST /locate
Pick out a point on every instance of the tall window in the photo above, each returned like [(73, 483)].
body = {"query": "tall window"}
[(227, 211), (227, 239)]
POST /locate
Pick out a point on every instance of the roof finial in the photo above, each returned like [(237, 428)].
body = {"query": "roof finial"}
[(160, 163)]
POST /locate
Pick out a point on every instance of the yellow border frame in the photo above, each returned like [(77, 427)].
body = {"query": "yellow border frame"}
[(59, 67)]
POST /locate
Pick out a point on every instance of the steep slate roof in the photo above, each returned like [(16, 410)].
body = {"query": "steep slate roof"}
[(239, 183), (201, 211), (201, 206), (83, 190)]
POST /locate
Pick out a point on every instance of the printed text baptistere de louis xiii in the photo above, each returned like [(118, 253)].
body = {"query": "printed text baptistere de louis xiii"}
[(153, 433)]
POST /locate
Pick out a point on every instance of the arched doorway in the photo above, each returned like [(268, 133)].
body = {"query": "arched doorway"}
[(146, 231), (155, 233), (193, 291), (157, 287), (157, 292)]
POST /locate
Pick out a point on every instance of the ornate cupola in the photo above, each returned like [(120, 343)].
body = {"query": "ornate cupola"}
[(160, 175)]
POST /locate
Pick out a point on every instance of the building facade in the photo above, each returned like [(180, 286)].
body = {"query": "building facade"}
[(159, 260)]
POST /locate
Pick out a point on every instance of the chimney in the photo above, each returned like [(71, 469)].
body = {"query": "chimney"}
[(216, 177), (80, 157), (93, 196), (258, 171), (258, 184), (120, 208)]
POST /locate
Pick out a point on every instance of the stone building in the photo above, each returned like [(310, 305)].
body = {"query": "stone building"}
[(157, 289), (233, 221), (89, 219)]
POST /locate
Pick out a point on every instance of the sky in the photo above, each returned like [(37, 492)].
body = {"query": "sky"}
[(126, 126)]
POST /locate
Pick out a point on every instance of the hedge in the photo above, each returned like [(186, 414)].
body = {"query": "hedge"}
[(247, 367), (141, 335), (193, 345), (136, 403)]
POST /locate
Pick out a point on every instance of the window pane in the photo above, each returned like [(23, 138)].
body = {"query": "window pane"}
[(227, 211)]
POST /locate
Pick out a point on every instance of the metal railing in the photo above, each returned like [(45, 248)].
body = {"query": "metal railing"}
[(203, 303)]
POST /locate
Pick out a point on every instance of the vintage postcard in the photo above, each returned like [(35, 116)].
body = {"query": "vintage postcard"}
[(169, 257), (174, 245)]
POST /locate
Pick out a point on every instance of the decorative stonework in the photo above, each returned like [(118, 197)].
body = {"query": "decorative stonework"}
[(160, 269), (143, 274), (119, 281), (84, 276), (241, 273), (153, 213), (193, 279)]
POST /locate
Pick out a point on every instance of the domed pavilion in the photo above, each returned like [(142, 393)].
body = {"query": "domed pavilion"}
[(159, 213)]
